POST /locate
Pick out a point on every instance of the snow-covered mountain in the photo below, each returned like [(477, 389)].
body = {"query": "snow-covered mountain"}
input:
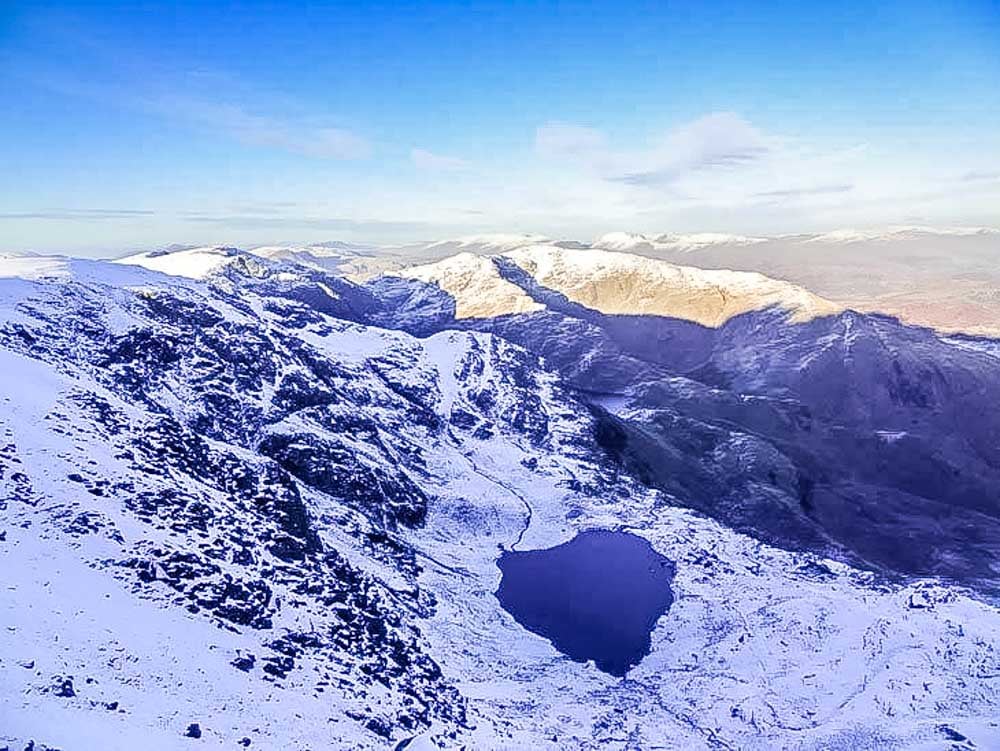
[(900, 234), (612, 283), (193, 263), (344, 259), (361, 262), (625, 284), (241, 506), (943, 277), (632, 242)]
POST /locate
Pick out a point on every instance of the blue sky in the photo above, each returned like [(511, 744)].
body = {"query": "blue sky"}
[(132, 125)]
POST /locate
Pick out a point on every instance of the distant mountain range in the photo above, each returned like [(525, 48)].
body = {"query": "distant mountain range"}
[(944, 278)]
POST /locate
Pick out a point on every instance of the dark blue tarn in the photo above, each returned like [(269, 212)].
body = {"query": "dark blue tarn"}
[(596, 597)]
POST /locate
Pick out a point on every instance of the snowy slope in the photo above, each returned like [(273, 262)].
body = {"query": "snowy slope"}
[(225, 502), (194, 263), (621, 283), (476, 285)]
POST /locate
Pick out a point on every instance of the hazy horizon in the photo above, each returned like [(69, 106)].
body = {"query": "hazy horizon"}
[(687, 242)]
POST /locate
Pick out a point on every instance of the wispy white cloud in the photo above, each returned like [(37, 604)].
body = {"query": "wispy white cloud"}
[(296, 221), (207, 101), (79, 214), (976, 176), (295, 135), (719, 141), (814, 190), (428, 160), (561, 140)]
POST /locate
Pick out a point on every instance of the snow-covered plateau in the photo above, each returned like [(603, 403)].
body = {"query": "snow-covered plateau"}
[(248, 503)]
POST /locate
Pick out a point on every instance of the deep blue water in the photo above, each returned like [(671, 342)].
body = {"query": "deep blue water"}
[(596, 597)]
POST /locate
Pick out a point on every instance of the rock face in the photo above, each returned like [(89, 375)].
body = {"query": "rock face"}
[(249, 508)]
